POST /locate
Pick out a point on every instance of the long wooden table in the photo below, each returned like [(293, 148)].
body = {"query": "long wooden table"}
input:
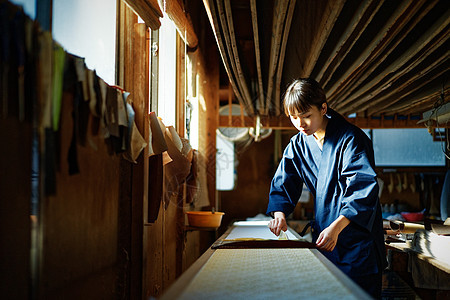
[(241, 271)]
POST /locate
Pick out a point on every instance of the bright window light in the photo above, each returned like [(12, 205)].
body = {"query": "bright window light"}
[(87, 28), (225, 165), (167, 72)]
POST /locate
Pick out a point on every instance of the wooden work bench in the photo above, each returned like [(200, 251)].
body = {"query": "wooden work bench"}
[(239, 266), (428, 276)]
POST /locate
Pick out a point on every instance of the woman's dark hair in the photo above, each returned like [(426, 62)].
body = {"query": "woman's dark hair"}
[(302, 94)]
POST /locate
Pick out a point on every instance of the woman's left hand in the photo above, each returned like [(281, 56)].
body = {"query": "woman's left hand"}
[(327, 239)]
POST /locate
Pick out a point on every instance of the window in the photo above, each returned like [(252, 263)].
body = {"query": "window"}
[(192, 107), (225, 164), (82, 30), (406, 147), (167, 55)]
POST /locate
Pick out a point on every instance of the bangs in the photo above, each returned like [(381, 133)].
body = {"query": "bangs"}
[(294, 102), (301, 95)]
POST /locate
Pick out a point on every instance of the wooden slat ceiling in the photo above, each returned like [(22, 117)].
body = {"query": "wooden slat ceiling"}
[(374, 58)]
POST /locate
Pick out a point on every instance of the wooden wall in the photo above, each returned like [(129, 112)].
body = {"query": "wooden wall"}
[(94, 240), (15, 198), (80, 225)]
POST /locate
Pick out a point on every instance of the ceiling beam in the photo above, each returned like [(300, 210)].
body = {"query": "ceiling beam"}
[(414, 55), (254, 12), (404, 93), (284, 41), (363, 65), (423, 99), (231, 43), (279, 14), (355, 89), (365, 13), (282, 122), (329, 17), (182, 20), (214, 21), (385, 122)]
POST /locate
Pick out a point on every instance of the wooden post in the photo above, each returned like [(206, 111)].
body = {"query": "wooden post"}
[(133, 62)]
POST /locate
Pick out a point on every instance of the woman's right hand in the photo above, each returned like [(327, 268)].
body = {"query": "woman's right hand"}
[(278, 223)]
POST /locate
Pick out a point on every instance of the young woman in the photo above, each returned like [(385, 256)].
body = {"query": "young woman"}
[(336, 162)]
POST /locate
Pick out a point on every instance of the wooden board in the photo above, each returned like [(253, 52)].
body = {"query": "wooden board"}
[(263, 273), (268, 273)]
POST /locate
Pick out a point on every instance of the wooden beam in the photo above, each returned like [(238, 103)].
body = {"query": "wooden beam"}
[(283, 123), (125, 79), (358, 24), (148, 10), (139, 89), (329, 17), (423, 100), (401, 94), (213, 19), (386, 36), (284, 41), (382, 45), (415, 54), (277, 30), (182, 20), (228, 50), (383, 122), (257, 55), (232, 46)]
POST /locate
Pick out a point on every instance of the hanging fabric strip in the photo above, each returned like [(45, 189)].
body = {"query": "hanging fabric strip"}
[(71, 85), (80, 67), (157, 143), (136, 143), (45, 79), (257, 56), (240, 74), (92, 93), (111, 111), (284, 41), (279, 14), (221, 19), (59, 57), (121, 108), (178, 169), (213, 19)]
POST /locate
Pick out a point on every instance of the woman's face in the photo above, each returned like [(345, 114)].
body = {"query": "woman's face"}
[(310, 121)]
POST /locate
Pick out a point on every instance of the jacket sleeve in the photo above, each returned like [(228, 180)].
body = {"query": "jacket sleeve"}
[(287, 184), (360, 197)]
